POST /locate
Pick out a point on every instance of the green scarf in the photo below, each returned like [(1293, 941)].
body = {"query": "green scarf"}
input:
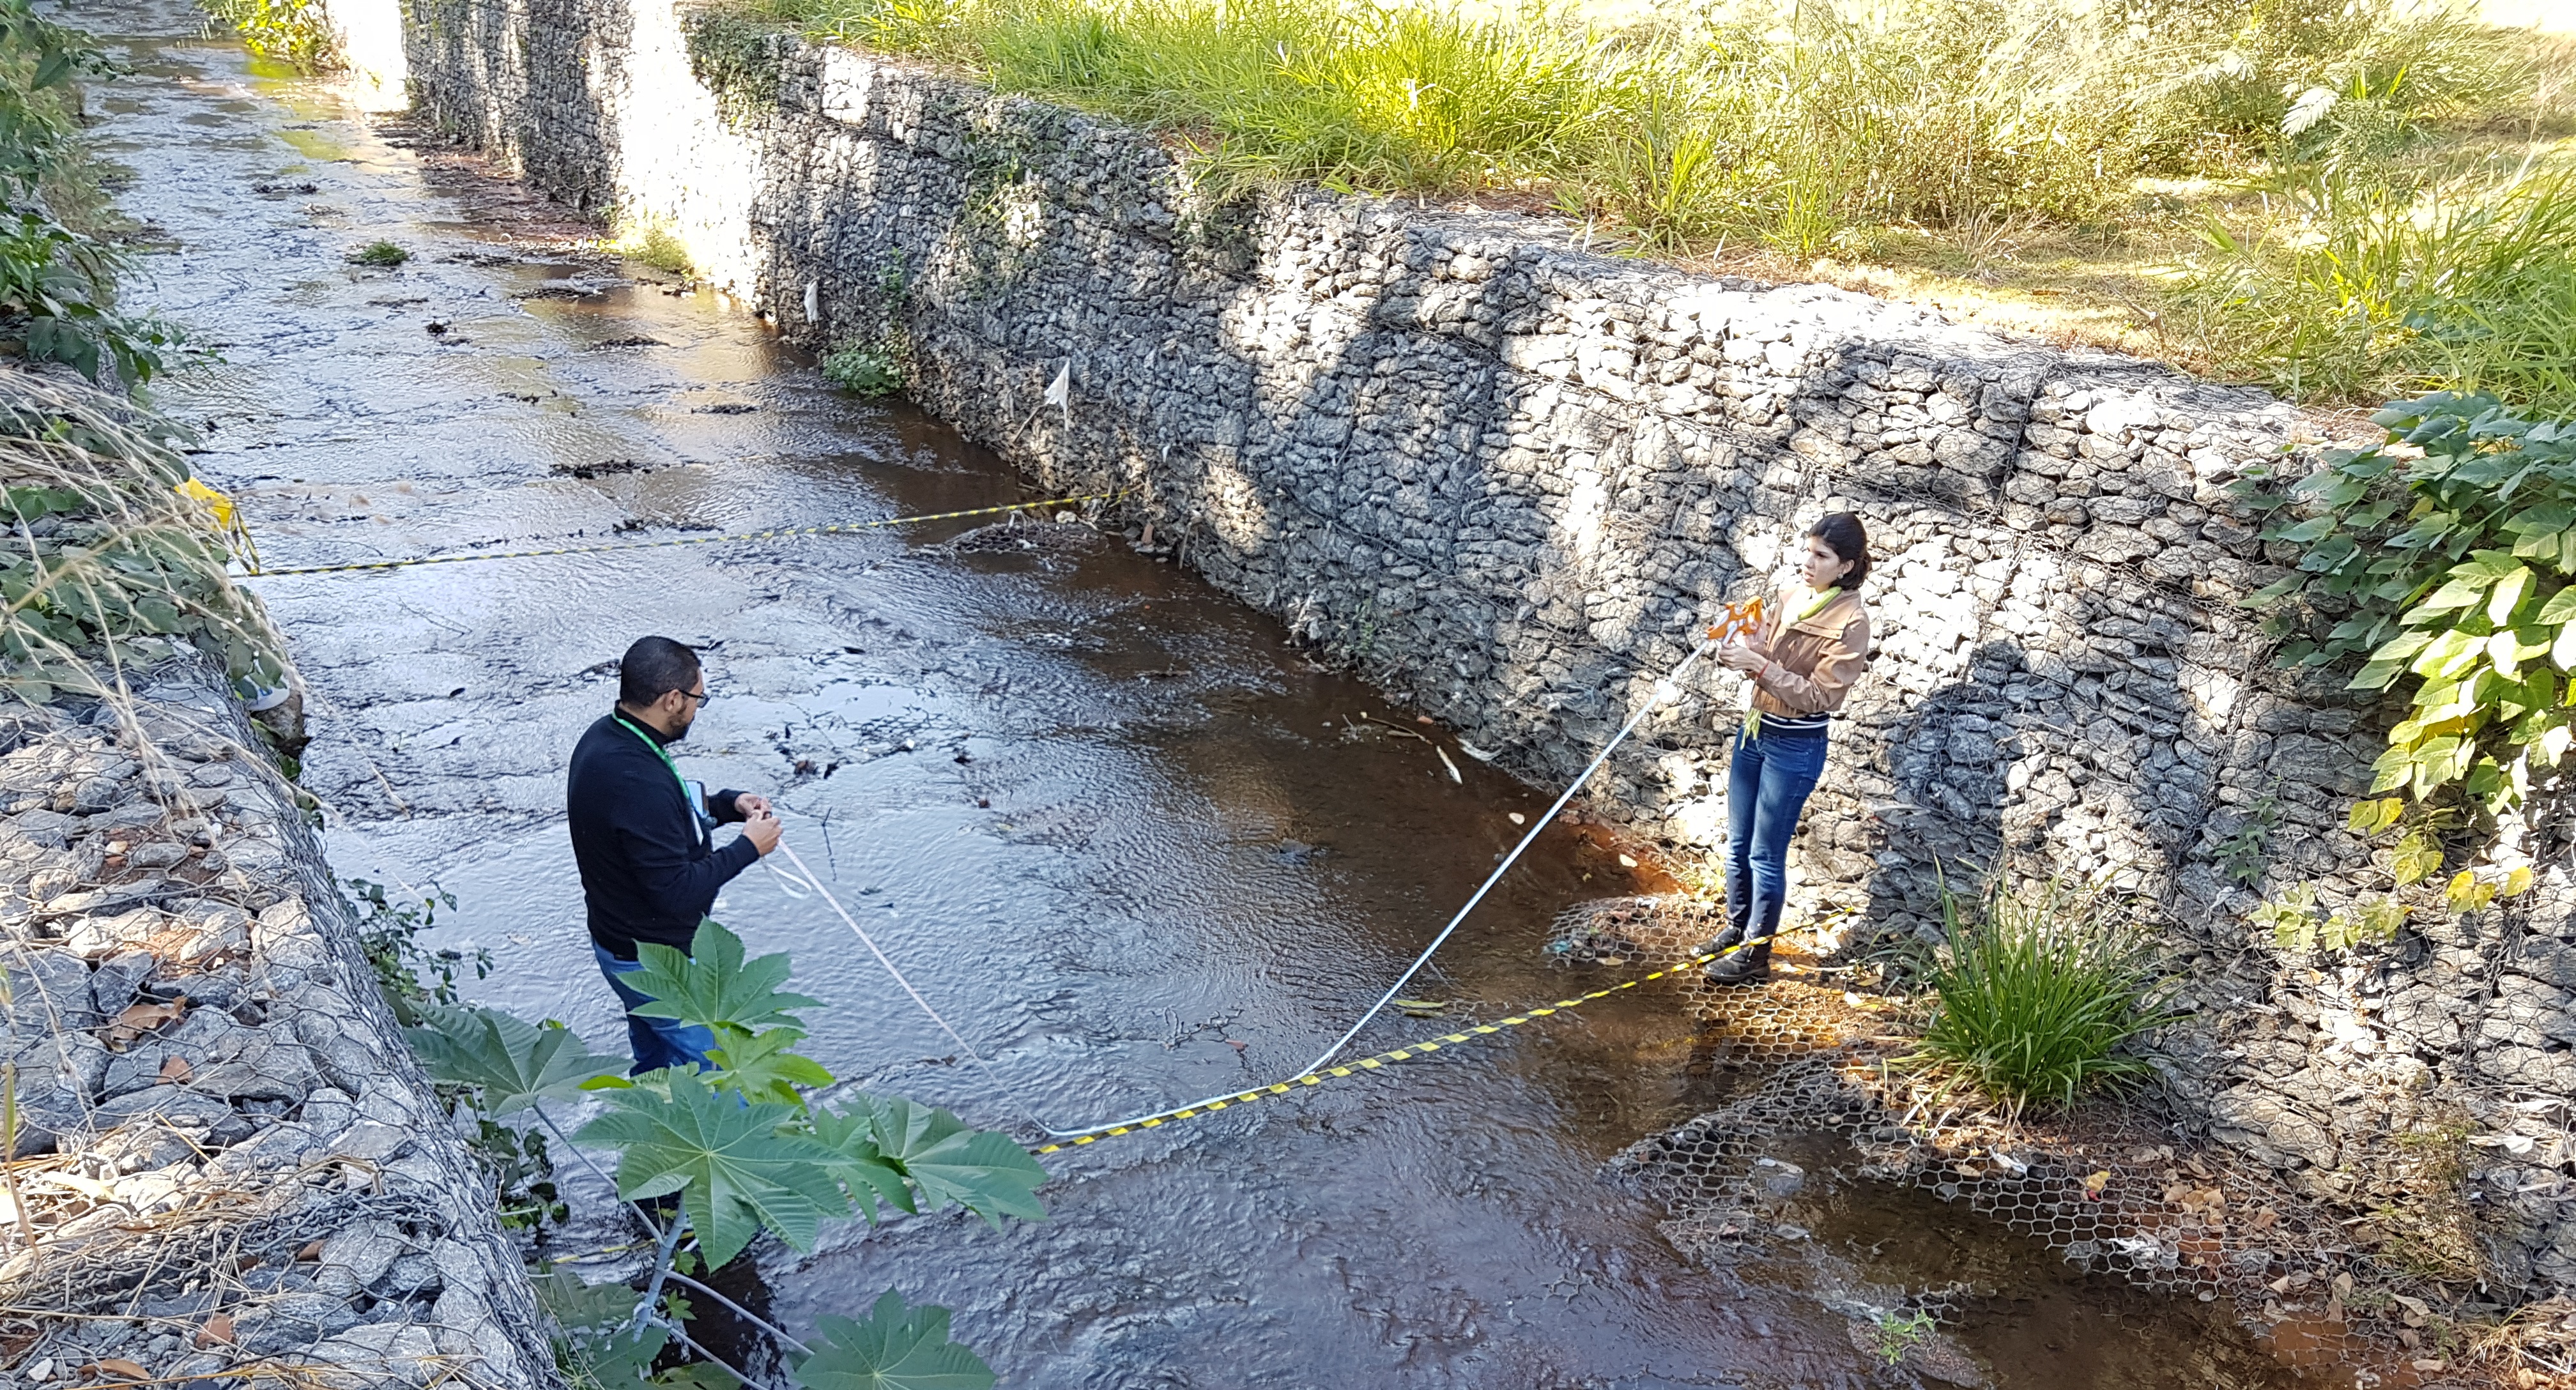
[(1753, 717)]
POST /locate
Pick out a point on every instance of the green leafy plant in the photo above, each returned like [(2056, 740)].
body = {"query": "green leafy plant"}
[(2299, 923), (293, 31), (2241, 856), (2444, 556), (410, 975), (2036, 991), (736, 1151), (109, 556), (383, 255), (872, 369), (651, 241), (1898, 1334)]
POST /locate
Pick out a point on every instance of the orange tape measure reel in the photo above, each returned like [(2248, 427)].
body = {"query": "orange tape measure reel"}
[(1738, 623)]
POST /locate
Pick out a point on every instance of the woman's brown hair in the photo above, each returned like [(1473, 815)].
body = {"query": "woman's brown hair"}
[(1849, 540)]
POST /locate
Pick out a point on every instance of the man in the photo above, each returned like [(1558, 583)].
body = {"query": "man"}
[(642, 836)]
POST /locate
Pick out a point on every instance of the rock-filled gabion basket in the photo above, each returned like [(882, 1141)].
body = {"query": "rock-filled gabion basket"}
[(1822, 1093)]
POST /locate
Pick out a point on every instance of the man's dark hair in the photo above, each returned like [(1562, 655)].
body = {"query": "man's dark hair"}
[(653, 668)]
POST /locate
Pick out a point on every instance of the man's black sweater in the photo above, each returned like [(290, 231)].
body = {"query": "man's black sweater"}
[(648, 869)]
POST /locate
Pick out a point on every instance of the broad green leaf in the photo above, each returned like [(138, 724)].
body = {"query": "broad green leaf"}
[(733, 1168), (2376, 675), (715, 987), (598, 1323), (2370, 817), (514, 1063), (859, 1164), (897, 1348), (2459, 593), (2508, 595), (2419, 856), (2561, 607), (2307, 532), (761, 1067), (979, 1170)]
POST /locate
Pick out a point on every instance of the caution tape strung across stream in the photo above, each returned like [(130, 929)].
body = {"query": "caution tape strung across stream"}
[(1366, 1064), (253, 569)]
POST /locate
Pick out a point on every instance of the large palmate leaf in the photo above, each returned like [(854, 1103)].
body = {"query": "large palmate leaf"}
[(735, 1172), (858, 1163), (977, 1169), (598, 1322), (897, 1348), (713, 987), (515, 1063), (761, 1067)]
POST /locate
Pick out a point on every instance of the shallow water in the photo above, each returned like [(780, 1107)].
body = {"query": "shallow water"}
[(1135, 845)]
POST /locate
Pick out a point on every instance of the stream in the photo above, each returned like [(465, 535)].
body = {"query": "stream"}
[(1135, 844)]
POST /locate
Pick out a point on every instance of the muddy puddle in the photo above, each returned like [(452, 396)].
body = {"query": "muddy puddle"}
[(1132, 842)]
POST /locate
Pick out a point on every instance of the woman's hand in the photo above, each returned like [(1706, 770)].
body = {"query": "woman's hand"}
[(1743, 656)]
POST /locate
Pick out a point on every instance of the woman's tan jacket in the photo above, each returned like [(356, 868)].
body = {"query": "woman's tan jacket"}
[(1817, 660)]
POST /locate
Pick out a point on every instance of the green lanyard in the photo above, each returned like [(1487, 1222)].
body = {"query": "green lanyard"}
[(655, 745), (1816, 605)]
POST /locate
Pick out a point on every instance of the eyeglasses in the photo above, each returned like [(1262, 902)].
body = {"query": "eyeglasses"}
[(701, 696)]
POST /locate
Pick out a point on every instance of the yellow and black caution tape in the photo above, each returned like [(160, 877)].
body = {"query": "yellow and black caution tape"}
[(1379, 1062), (779, 534)]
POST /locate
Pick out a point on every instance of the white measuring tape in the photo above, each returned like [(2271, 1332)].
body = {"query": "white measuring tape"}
[(805, 880)]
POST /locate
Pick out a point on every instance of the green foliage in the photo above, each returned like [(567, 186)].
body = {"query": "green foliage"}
[(2241, 856), (869, 369), (2037, 991), (744, 1151), (103, 558), (735, 1165), (293, 31), (651, 241), (2300, 924), (58, 284), (2444, 556), (897, 1348), (510, 1064), (383, 255), (1897, 1334), (389, 929), (1804, 127), (712, 986), (738, 57), (2367, 286)]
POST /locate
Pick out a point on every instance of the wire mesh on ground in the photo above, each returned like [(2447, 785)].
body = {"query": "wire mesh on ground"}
[(2112, 1188)]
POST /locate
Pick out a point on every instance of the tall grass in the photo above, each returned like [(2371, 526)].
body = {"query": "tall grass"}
[(2368, 289), (2036, 991)]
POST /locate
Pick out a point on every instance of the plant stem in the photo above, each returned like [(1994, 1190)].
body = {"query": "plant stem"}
[(744, 1313)]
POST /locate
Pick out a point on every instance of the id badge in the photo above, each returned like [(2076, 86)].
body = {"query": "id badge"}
[(698, 807)]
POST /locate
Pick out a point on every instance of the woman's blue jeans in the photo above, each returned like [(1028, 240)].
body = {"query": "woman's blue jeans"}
[(657, 1042), (1766, 788)]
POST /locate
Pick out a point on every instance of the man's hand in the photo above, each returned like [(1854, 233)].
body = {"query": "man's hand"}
[(749, 805), (761, 828)]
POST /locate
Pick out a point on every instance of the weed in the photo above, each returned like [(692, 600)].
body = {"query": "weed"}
[(2036, 992), (651, 241), (389, 929), (294, 31), (872, 369), (383, 255), (1900, 1333), (2242, 855)]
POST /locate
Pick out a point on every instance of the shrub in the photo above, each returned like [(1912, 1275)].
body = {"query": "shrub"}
[(651, 242), (294, 31), (2035, 993), (384, 255), (868, 369)]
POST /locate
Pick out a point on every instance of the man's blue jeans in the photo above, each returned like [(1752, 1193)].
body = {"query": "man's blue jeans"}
[(1766, 788), (657, 1042)]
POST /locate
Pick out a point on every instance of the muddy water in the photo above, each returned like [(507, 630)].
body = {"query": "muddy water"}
[(1136, 846)]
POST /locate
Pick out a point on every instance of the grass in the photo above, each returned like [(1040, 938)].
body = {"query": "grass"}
[(652, 243), (2184, 177), (2036, 992), (294, 31), (383, 255)]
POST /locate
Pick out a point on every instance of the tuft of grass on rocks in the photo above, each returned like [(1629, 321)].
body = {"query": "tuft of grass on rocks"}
[(383, 255), (2037, 991)]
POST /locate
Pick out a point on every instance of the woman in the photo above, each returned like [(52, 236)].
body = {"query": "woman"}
[(1802, 667)]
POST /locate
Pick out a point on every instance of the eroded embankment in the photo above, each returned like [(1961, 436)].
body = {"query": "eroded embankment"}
[(1510, 479), (225, 1163)]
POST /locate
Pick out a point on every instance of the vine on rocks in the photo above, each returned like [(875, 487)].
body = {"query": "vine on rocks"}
[(2445, 557), (739, 1150)]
